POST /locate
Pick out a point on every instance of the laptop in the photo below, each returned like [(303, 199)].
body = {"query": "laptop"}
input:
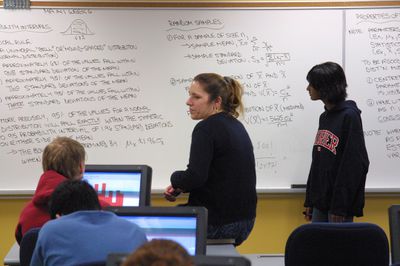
[(120, 185), (184, 225)]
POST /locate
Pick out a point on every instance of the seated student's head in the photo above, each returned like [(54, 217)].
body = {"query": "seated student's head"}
[(71, 196), (65, 156), (159, 252)]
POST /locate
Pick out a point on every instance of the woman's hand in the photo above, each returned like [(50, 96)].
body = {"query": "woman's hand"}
[(308, 214), (171, 193), (337, 218)]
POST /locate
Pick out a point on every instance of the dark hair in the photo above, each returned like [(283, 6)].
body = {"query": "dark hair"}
[(159, 252), (227, 88), (71, 196), (64, 155), (329, 80)]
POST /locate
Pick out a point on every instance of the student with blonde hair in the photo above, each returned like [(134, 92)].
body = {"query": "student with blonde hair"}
[(62, 159)]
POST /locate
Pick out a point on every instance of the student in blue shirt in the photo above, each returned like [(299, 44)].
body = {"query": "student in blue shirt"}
[(80, 231)]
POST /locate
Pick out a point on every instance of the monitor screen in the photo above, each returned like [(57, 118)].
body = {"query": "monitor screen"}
[(185, 225), (179, 229), (120, 185)]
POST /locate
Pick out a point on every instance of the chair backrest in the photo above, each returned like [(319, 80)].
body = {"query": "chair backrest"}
[(337, 244), (394, 230), (27, 245), (204, 260)]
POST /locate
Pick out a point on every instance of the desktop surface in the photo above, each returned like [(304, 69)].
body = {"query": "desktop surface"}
[(266, 259), (12, 257)]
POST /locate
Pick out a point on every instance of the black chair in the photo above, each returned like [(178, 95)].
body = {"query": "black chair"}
[(337, 244), (27, 246)]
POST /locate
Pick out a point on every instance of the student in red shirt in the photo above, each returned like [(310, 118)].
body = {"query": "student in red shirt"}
[(62, 159)]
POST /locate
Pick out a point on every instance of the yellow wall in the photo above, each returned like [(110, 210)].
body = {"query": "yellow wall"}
[(9, 212), (277, 216)]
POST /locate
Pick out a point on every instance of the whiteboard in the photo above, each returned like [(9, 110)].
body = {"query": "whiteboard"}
[(116, 80), (373, 71)]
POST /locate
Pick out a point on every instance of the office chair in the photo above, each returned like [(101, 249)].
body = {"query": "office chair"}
[(27, 246), (337, 244)]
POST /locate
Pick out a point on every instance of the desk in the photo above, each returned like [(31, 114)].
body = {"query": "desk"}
[(12, 257), (256, 259), (266, 259), (222, 250)]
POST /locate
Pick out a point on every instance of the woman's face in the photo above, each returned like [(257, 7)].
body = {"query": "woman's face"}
[(314, 94), (200, 106)]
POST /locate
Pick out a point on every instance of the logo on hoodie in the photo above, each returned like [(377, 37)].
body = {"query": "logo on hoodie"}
[(326, 139)]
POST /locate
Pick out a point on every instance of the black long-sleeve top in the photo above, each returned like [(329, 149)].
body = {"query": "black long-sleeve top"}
[(339, 167), (221, 172)]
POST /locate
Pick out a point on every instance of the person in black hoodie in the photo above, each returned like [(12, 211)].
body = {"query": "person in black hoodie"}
[(336, 182)]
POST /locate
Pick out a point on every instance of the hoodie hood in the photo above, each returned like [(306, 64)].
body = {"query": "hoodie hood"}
[(47, 182), (349, 104)]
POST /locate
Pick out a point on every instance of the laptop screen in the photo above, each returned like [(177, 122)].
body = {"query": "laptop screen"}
[(184, 225), (120, 185)]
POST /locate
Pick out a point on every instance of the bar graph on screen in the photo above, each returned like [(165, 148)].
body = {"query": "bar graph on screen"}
[(114, 198), (116, 188)]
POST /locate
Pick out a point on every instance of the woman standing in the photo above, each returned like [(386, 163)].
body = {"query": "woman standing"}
[(221, 171), (336, 182)]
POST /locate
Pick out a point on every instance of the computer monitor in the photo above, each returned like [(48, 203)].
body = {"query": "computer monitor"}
[(394, 231), (121, 185), (185, 225)]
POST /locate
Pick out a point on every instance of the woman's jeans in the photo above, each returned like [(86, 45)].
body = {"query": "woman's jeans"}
[(237, 230), (320, 216)]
